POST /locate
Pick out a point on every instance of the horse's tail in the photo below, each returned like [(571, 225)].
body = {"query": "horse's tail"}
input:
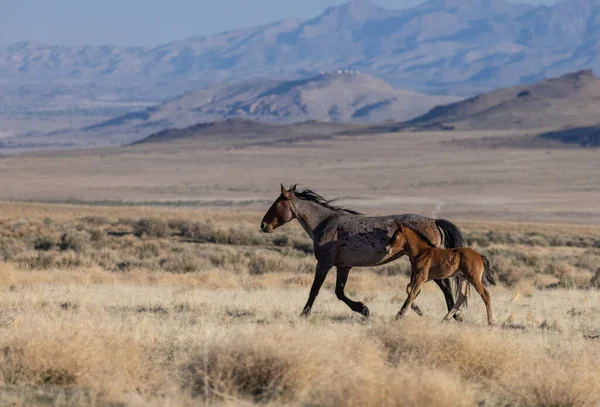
[(452, 237), (487, 271)]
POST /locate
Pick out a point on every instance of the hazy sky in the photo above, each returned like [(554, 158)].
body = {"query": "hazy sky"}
[(150, 22)]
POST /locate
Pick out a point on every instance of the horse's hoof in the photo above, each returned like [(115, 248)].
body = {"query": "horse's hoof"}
[(459, 317), (305, 313), (365, 311), (399, 316)]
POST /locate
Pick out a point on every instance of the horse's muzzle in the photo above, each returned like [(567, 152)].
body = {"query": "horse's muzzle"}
[(388, 249), (265, 228)]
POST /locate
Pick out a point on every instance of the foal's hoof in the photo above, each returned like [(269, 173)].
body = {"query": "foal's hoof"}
[(459, 317), (365, 311), (417, 310), (400, 315)]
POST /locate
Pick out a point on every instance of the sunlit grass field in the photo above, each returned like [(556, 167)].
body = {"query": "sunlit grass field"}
[(160, 307)]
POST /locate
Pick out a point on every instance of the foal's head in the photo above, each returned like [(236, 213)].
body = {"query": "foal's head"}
[(398, 240), (280, 212)]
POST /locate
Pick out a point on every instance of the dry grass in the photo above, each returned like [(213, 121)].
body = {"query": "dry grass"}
[(176, 318)]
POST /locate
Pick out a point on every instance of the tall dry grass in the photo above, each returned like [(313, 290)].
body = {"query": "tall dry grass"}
[(115, 307)]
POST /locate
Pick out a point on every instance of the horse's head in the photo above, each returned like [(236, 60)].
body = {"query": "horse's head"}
[(398, 240), (280, 212)]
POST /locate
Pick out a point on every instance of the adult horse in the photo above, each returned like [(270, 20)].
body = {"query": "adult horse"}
[(344, 239)]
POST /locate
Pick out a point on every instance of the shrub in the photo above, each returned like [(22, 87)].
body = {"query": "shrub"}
[(94, 220), (176, 224), (281, 240), (150, 227), (41, 261), (305, 246), (44, 243), (147, 250), (184, 262), (48, 222), (263, 263), (239, 237), (71, 241), (198, 231), (97, 236)]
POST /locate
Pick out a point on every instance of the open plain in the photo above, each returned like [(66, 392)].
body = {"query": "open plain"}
[(138, 276), (378, 173)]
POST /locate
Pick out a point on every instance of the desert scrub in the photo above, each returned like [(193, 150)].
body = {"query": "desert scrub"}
[(199, 231), (305, 246), (264, 263), (76, 242), (240, 237), (37, 261), (281, 240), (94, 220), (184, 262), (150, 227), (44, 243), (147, 250)]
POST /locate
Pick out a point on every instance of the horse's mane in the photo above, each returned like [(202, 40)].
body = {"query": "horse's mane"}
[(420, 235), (308, 194)]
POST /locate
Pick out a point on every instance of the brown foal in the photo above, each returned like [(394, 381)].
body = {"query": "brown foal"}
[(428, 262)]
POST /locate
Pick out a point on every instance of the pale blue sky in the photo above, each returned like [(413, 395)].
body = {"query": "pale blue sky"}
[(149, 22)]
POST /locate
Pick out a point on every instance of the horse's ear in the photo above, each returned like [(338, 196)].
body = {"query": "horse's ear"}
[(285, 192), (400, 226), (293, 189)]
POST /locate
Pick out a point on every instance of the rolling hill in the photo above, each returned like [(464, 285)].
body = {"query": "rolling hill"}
[(240, 133), (569, 100), (344, 96)]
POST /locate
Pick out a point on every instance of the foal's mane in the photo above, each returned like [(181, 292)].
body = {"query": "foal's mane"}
[(308, 194)]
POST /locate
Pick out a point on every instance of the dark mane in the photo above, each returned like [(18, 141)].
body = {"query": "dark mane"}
[(308, 194)]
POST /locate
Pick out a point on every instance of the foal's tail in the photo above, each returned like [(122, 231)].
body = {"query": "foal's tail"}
[(467, 286), (487, 271)]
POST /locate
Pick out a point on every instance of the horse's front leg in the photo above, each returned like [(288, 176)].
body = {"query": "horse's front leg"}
[(320, 274), (446, 288), (462, 296), (356, 306)]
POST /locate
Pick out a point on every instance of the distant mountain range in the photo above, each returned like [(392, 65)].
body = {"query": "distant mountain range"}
[(459, 47), (341, 103)]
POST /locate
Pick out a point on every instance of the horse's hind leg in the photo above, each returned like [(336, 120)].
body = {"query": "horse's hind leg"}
[(342, 277), (446, 288), (462, 296)]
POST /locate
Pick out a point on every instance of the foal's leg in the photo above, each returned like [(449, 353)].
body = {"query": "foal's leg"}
[(418, 282), (446, 288), (414, 305), (342, 277), (485, 296), (462, 296), (320, 274)]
